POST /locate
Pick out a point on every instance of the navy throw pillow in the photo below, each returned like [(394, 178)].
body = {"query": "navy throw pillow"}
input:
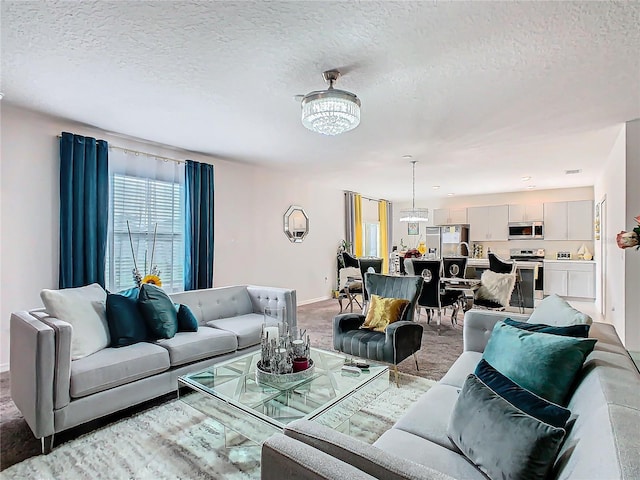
[(187, 321), (125, 322), (523, 399), (158, 311), (578, 330)]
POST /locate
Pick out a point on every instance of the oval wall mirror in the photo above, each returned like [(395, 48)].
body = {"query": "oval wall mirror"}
[(296, 224)]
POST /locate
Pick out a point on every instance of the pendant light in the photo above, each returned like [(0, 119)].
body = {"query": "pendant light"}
[(414, 214)]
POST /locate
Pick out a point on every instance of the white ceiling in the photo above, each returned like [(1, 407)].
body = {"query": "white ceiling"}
[(481, 93)]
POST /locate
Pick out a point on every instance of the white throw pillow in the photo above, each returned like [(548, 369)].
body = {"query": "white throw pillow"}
[(555, 311), (84, 309), (496, 287)]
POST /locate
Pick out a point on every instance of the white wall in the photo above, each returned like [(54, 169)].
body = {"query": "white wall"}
[(501, 248), (612, 185), (250, 246), (632, 257)]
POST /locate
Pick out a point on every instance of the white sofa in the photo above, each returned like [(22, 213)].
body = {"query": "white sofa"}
[(55, 393), (603, 443)]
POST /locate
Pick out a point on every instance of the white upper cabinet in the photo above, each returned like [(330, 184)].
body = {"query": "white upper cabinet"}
[(580, 220), (555, 221), (568, 220), (449, 216), (526, 213), (488, 223)]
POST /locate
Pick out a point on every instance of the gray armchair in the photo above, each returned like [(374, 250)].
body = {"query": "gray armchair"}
[(400, 340)]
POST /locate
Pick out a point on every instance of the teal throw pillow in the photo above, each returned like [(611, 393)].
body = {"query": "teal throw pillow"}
[(521, 398), (187, 321), (158, 311), (501, 440), (578, 330), (543, 363), (126, 324)]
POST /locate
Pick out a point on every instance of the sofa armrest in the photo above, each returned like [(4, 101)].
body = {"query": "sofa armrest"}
[(344, 323), (262, 297), (361, 455), (478, 325), (284, 457), (32, 356), (62, 367)]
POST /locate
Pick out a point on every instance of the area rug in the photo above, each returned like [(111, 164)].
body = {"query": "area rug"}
[(175, 441)]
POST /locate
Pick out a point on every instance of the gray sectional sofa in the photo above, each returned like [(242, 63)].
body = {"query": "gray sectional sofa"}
[(55, 393), (603, 443)]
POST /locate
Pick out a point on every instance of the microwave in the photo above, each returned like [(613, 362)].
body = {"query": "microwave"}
[(526, 230)]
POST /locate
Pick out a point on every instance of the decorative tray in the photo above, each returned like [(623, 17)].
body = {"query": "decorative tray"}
[(276, 379)]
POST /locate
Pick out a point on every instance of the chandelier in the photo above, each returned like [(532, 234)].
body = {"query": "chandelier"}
[(414, 214), (331, 111)]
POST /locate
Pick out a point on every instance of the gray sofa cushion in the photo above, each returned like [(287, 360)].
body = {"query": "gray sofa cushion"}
[(248, 328), (461, 368), (429, 416), (419, 450), (187, 347), (367, 458), (112, 367)]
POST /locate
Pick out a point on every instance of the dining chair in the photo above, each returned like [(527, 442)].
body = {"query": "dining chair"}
[(368, 265), (433, 295), (498, 265), (455, 267), (496, 289)]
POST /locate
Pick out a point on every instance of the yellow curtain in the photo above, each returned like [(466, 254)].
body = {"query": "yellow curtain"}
[(384, 235), (358, 238)]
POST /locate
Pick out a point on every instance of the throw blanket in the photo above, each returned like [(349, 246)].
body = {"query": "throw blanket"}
[(496, 287)]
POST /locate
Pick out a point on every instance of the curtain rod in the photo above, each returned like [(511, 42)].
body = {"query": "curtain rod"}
[(137, 152), (366, 198)]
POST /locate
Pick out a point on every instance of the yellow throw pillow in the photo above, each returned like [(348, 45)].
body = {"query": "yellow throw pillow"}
[(384, 311)]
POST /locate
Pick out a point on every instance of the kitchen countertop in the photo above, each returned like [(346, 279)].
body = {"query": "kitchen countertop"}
[(568, 261), (484, 262)]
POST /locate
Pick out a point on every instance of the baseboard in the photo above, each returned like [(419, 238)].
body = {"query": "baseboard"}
[(314, 300), (4, 367)]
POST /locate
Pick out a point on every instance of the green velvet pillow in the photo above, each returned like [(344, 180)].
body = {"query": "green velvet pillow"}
[(501, 440), (187, 321), (126, 324), (158, 311), (543, 363)]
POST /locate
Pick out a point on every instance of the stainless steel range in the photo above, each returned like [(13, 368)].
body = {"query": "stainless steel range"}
[(532, 255), (527, 254)]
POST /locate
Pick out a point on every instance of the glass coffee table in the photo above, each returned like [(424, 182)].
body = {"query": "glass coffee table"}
[(229, 394)]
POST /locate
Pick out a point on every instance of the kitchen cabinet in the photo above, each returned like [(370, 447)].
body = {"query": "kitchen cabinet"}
[(526, 213), (570, 279), (488, 223), (568, 220), (450, 216)]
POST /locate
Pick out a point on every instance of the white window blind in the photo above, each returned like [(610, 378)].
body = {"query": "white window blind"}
[(148, 205)]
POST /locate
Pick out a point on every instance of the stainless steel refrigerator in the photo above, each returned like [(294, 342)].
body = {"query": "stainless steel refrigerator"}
[(445, 241)]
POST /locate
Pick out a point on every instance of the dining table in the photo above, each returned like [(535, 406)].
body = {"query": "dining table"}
[(467, 286)]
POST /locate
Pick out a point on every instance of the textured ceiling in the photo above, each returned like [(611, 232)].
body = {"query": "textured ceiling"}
[(481, 93)]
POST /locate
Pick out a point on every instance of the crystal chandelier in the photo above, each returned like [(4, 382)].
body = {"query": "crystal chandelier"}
[(414, 214), (331, 111)]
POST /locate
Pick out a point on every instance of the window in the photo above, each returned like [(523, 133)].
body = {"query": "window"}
[(371, 239), (148, 204)]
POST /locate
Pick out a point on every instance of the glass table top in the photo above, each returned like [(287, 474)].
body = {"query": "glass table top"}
[(330, 395)]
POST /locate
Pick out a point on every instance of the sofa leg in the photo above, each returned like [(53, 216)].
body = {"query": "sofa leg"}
[(395, 371), (416, 360), (47, 444)]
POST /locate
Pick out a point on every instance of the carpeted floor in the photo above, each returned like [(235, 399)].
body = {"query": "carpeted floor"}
[(436, 356)]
